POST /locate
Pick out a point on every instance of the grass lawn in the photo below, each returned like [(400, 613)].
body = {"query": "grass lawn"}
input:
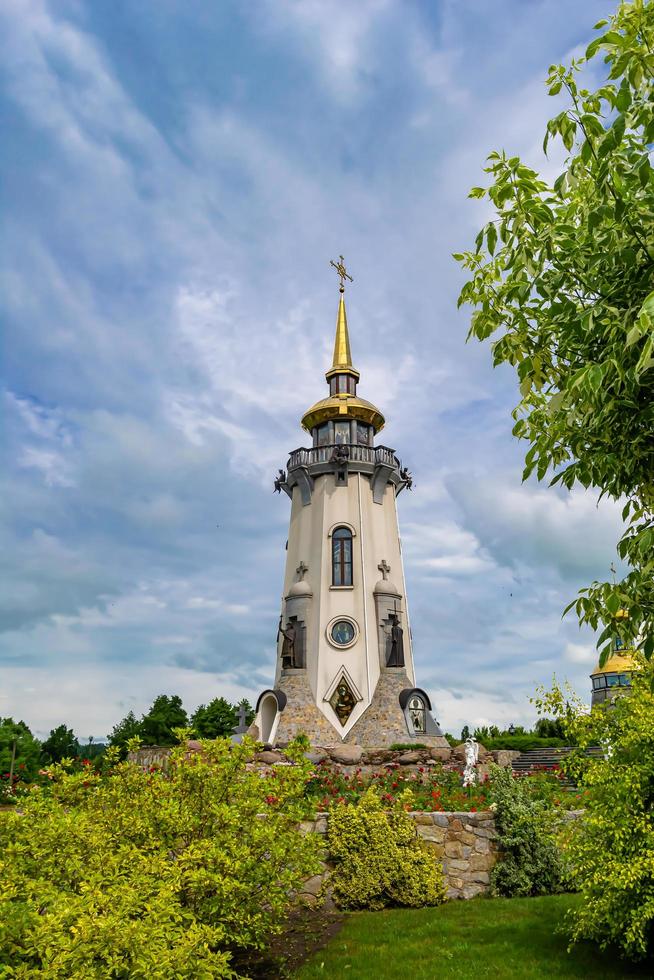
[(499, 938)]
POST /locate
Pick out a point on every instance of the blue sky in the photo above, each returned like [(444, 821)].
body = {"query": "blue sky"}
[(176, 177)]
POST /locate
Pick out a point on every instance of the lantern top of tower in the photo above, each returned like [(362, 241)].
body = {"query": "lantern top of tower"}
[(343, 401)]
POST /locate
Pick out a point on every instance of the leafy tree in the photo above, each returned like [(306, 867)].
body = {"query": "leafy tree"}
[(214, 719), (28, 750), (137, 874), (219, 717), (159, 724), (465, 733), (563, 278), (612, 848), (130, 727), (60, 744), (549, 728)]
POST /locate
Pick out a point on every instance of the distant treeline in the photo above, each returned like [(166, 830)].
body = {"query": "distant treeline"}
[(22, 754)]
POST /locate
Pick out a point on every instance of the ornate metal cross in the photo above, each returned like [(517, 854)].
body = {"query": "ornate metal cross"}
[(384, 568), (342, 272), (302, 570)]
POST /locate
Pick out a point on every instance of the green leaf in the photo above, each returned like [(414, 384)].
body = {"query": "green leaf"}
[(613, 603), (648, 306), (491, 237), (634, 335), (644, 172), (477, 192)]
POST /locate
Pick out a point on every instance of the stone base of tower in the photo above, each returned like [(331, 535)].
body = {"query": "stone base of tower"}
[(300, 714), (383, 723)]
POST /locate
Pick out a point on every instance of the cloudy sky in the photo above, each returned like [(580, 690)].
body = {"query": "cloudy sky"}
[(176, 178)]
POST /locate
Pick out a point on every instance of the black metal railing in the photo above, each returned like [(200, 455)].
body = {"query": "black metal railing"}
[(357, 454)]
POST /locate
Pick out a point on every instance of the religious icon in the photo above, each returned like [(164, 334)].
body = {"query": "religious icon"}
[(342, 701), (417, 714), (343, 632)]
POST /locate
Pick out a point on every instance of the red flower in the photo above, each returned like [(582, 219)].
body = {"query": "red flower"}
[(473, 809), (272, 800)]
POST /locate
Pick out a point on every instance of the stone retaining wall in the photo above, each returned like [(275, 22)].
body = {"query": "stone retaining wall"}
[(465, 844)]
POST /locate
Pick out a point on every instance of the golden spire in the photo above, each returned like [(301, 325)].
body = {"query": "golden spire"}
[(342, 354), (342, 361)]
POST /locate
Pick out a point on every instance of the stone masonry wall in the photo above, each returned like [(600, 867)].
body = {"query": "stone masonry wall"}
[(383, 722), (465, 844), (301, 713)]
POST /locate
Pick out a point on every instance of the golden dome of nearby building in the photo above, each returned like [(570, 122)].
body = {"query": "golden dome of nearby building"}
[(615, 662), (617, 670)]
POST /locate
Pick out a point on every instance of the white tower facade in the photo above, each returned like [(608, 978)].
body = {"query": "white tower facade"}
[(345, 669)]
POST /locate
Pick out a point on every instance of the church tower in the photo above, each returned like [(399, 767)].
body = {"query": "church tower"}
[(345, 669)]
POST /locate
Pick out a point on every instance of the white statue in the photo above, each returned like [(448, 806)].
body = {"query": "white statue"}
[(472, 757)]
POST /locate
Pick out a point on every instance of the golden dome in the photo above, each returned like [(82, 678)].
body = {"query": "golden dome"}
[(617, 663), (343, 406)]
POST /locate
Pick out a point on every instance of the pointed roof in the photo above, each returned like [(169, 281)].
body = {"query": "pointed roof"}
[(342, 360)]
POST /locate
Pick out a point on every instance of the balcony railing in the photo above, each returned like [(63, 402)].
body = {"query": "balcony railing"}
[(358, 454)]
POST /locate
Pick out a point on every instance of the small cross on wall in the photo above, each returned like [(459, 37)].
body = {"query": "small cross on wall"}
[(384, 568), (302, 570)]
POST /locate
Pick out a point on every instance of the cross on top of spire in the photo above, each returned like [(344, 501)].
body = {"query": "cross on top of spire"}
[(341, 271)]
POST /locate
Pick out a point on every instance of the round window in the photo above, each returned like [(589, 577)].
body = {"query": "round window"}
[(342, 632)]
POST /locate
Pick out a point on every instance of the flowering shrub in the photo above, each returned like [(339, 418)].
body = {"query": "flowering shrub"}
[(150, 875), (436, 787), (379, 858)]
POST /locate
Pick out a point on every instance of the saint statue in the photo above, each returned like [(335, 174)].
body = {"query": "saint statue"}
[(340, 455), (396, 653), (288, 646)]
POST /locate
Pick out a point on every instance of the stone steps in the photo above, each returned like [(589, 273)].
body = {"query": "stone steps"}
[(548, 758)]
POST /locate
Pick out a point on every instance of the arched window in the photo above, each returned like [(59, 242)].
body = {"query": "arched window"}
[(342, 556), (417, 713)]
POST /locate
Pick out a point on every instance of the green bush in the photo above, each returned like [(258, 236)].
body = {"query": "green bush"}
[(532, 861), (406, 746), (612, 847), (379, 858), (26, 756), (133, 874), (522, 743)]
